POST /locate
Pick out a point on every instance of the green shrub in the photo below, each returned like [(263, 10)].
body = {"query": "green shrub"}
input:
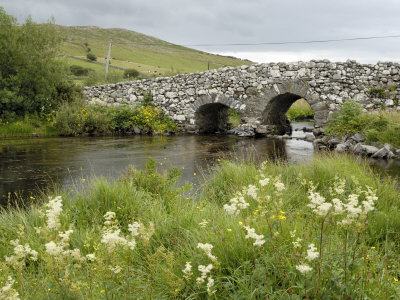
[(376, 92), (80, 71), (349, 119), (121, 118), (234, 117), (90, 56), (131, 73)]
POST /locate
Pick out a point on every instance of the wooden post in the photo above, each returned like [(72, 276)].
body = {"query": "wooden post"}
[(108, 57)]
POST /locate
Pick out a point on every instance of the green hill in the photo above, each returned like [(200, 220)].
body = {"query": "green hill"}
[(130, 49)]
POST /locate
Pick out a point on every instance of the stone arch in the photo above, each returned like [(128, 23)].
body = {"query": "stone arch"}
[(282, 95), (211, 112)]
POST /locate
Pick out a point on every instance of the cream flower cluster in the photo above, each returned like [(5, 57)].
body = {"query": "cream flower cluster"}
[(318, 203), (8, 292), (236, 204), (187, 271), (53, 213), (207, 250), (112, 235), (21, 252), (204, 270), (60, 250), (251, 233), (312, 254)]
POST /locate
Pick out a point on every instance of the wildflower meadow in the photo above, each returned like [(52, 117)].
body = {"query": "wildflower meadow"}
[(329, 229)]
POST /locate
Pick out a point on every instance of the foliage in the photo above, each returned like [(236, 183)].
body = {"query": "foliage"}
[(79, 70), (98, 77), (28, 126), (31, 80), (131, 73), (234, 117), (300, 110), (143, 237), (78, 118), (376, 92), (382, 127), (349, 119), (90, 56)]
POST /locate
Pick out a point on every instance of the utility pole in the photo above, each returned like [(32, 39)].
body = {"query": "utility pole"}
[(208, 65), (108, 57)]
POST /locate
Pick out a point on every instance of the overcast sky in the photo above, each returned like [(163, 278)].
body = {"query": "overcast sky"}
[(188, 22)]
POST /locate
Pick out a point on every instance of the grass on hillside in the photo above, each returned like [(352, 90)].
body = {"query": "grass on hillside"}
[(251, 232), (300, 110), (148, 55)]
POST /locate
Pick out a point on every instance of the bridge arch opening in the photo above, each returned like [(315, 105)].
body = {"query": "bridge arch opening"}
[(275, 113), (215, 118)]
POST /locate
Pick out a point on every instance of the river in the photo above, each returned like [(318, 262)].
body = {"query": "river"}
[(33, 165)]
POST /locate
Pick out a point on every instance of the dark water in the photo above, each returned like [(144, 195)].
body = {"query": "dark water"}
[(31, 165)]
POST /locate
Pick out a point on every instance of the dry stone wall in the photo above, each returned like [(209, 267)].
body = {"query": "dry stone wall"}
[(261, 91)]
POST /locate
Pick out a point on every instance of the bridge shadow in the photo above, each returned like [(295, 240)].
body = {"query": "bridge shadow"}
[(213, 118)]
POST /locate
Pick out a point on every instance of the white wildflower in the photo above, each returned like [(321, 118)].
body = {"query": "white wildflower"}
[(337, 206), (279, 186), (315, 198), (323, 209), (312, 253), (210, 284), (252, 191), (203, 223), (259, 238), (112, 238), (231, 209), (53, 213), (264, 181), (8, 292), (296, 243), (109, 218), (116, 269), (303, 269), (207, 250), (134, 228), (147, 232), (21, 253), (187, 271), (236, 204), (53, 249), (204, 271), (91, 257)]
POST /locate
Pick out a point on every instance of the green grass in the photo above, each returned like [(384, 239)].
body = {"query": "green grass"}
[(234, 117), (357, 261), (382, 126), (29, 126), (300, 110), (149, 55)]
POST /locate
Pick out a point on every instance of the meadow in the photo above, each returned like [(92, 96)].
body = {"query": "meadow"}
[(324, 230)]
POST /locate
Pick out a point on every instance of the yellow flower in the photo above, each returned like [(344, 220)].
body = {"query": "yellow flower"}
[(102, 291), (194, 174), (229, 229), (33, 198), (372, 247), (240, 223), (395, 279), (282, 212), (117, 242), (256, 212), (83, 179), (272, 217), (281, 217)]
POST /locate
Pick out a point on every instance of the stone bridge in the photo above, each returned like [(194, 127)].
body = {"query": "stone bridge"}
[(261, 93)]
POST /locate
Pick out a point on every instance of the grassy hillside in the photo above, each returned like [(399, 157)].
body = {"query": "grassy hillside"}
[(130, 49)]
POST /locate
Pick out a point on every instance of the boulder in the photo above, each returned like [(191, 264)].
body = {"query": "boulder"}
[(333, 142), (384, 152), (358, 138), (309, 137), (365, 150), (340, 148)]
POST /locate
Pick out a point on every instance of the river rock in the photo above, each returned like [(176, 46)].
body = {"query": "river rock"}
[(136, 130), (333, 142), (384, 152), (358, 138), (309, 137), (365, 150), (340, 148)]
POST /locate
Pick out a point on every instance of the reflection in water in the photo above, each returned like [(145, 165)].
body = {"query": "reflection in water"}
[(29, 165)]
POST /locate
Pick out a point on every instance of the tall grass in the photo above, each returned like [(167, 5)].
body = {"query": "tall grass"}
[(29, 126), (300, 110), (358, 261), (382, 126)]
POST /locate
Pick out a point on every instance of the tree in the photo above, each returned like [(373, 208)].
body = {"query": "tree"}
[(31, 79)]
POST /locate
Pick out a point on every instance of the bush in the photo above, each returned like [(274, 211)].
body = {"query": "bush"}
[(90, 56), (349, 119), (376, 92), (80, 71), (131, 73), (31, 80)]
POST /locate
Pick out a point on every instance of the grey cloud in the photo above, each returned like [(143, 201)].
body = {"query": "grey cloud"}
[(228, 21)]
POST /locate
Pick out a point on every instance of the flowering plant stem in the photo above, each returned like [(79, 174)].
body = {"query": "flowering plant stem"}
[(320, 257), (345, 256)]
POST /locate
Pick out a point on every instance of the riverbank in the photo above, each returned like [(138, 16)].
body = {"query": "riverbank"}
[(333, 222)]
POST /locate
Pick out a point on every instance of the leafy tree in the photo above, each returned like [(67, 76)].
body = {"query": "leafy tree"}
[(31, 79)]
